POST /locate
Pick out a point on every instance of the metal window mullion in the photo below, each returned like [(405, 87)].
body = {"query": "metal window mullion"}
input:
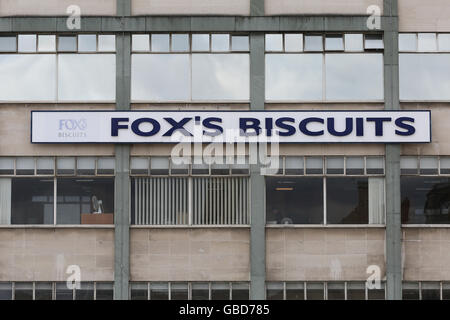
[(55, 201), (190, 200), (324, 200)]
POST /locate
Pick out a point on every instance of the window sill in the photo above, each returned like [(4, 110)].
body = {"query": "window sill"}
[(407, 226), (61, 226), (324, 226), (206, 226)]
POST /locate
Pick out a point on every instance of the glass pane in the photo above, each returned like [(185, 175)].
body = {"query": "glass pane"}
[(294, 77), (315, 291), (6, 165), (220, 42), (373, 41), (46, 43), (220, 77), (354, 76), (444, 41), (85, 201), (43, 291), (200, 291), (274, 42), (356, 291), (63, 292), (86, 166), (240, 291), (427, 42), (104, 291), (355, 166), (87, 43), (45, 166), (336, 291), (159, 291), (410, 291), (445, 291), (25, 166), (354, 42), (32, 201), (295, 291), (87, 77), (159, 166), (27, 42), (294, 165), (8, 44), (409, 165), (86, 291), (374, 165), (180, 42), (27, 77), (376, 294), (429, 165), (139, 291), (313, 43), (23, 291), (5, 291), (200, 42), (424, 76), (106, 165), (407, 42), (67, 43), (431, 291), (178, 291), (444, 164), (107, 43), (294, 200), (239, 43), (65, 165), (160, 43), (139, 165), (334, 43), (347, 201), (425, 200), (314, 165), (141, 42), (335, 165), (162, 77), (274, 291), (293, 42), (220, 291)]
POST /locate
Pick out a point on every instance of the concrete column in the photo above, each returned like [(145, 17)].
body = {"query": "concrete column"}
[(122, 154), (393, 216), (257, 181), (256, 7)]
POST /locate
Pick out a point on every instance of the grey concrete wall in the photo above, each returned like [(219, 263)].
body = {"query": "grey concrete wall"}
[(424, 16), (426, 254), (44, 254), (323, 254), (56, 7), (190, 254)]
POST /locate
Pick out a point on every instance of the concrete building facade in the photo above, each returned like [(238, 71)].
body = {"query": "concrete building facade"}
[(336, 221)]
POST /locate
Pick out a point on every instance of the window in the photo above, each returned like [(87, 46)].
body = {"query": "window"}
[(23, 291), (43, 291), (85, 292), (315, 291), (165, 200), (292, 76), (430, 291), (296, 200), (425, 200), (240, 291), (159, 291), (356, 291), (104, 291), (51, 76), (179, 291), (174, 72), (336, 291), (139, 291), (220, 291), (347, 201), (31, 200), (63, 292), (295, 291), (80, 200), (200, 291), (275, 291), (5, 291), (411, 291)]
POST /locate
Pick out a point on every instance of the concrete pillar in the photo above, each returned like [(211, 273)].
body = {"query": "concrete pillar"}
[(122, 154), (257, 181), (256, 7), (392, 102)]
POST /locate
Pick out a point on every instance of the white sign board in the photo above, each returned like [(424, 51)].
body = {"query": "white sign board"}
[(230, 126)]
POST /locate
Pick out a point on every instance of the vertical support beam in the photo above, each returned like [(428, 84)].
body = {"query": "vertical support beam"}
[(123, 7), (257, 7), (257, 181), (394, 274), (122, 154)]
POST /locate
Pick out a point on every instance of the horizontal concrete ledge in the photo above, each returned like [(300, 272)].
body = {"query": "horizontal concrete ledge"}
[(412, 226), (225, 226), (325, 226), (302, 23), (47, 226)]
